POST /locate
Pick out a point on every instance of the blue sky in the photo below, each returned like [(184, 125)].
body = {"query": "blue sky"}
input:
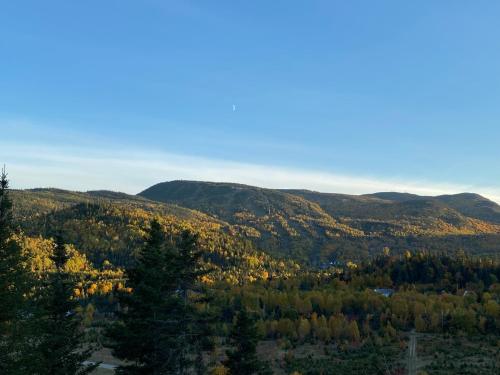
[(347, 96)]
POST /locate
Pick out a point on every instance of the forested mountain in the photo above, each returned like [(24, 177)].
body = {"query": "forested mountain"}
[(473, 205), (109, 227), (372, 214), (468, 204), (322, 226), (282, 223), (442, 215), (234, 219)]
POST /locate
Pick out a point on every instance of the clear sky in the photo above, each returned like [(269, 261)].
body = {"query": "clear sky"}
[(345, 96)]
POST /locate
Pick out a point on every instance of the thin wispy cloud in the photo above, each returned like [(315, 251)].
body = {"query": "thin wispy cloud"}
[(131, 171)]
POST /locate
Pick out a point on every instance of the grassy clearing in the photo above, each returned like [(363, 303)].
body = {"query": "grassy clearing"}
[(460, 355), (436, 355)]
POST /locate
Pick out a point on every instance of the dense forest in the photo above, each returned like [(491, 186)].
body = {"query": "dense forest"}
[(318, 228), (308, 227), (228, 279)]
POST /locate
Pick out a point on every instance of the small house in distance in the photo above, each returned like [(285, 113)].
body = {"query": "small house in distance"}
[(384, 291)]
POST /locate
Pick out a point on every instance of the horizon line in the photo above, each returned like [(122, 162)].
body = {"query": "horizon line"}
[(283, 189), (130, 172)]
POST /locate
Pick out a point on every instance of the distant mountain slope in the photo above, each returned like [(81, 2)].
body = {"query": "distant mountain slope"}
[(226, 199), (280, 222), (302, 222), (43, 201), (111, 226), (341, 205), (473, 205), (405, 214), (395, 197), (298, 225), (468, 204), (386, 213)]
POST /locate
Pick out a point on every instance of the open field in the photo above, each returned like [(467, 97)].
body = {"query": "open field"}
[(475, 355)]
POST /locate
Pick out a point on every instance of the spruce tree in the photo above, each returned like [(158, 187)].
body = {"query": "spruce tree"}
[(62, 347), (243, 360), (159, 328), (14, 286)]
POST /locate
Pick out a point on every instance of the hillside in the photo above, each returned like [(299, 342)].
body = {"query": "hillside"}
[(407, 214), (297, 225), (37, 202), (280, 222), (321, 225), (297, 210), (468, 204), (108, 226), (473, 205)]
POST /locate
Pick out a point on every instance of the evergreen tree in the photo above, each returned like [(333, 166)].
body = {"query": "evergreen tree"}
[(160, 329), (60, 255), (14, 285), (243, 360), (62, 348)]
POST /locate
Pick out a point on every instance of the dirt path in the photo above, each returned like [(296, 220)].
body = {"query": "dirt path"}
[(412, 354)]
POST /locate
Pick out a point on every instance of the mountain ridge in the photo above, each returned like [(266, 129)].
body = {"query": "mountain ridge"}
[(470, 205), (304, 221), (296, 224)]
